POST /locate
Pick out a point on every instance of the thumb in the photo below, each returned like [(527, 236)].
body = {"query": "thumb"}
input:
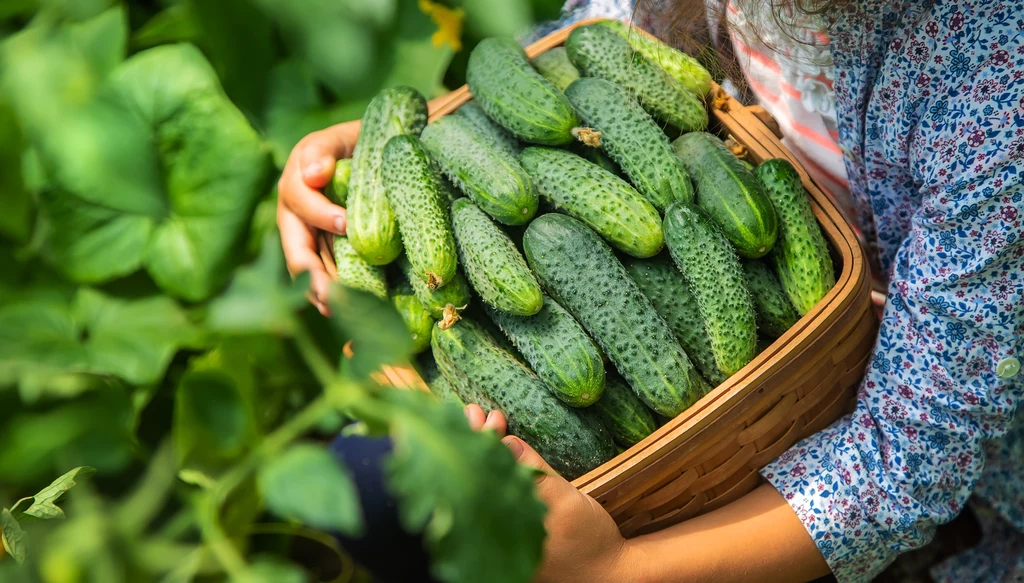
[(528, 456)]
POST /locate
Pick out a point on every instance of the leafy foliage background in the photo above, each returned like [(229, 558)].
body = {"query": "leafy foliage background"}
[(154, 354)]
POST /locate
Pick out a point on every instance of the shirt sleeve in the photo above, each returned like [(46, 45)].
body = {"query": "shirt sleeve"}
[(574, 11), (877, 482)]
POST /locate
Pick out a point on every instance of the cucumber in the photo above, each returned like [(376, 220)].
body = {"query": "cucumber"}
[(596, 156), (494, 266), (801, 256), (633, 140), (582, 274), (438, 385), (489, 175), (713, 272), (419, 202), (682, 67), (730, 193), (355, 272), (417, 319), (474, 114), (515, 95), (775, 313), (599, 52), (623, 414), (454, 293), (555, 66), (603, 201), (337, 189), (464, 388), (662, 282), (372, 226), (558, 350), (569, 443)]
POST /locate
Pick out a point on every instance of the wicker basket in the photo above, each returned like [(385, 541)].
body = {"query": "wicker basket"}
[(711, 453)]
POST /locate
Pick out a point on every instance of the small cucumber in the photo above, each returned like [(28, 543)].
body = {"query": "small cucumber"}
[(633, 140), (494, 266), (475, 114), (489, 175), (603, 201), (417, 319), (681, 66), (623, 414), (715, 276), (355, 272), (775, 313), (454, 293), (337, 189), (555, 66)]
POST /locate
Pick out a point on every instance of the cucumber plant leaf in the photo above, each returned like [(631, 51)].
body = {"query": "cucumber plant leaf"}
[(387, 341), (43, 505), (325, 497), (12, 536)]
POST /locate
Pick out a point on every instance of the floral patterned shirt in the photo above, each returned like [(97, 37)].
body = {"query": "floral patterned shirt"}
[(929, 103)]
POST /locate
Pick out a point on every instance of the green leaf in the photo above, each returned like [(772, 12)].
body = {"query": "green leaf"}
[(456, 484), (176, 23), (275, 570), (324, 497), (16, 219), (102, 40), (43, 505), (13, 536), (377, 332)]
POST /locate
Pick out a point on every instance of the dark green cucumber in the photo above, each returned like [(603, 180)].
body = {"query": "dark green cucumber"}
[(438, 385), (454, 293), (417, 319), (775, 313), (623, 414), (555, 66), (516, 96), (462, 385), (801, 255), (662, 282), (355, 272), (489, 175), (582, 273), (605, 202), (337, 189), (730, 193), (715, 276), (599, 52), (558, 350), (475, 114), (418, 199), (569, 443), (372, 226), (633, 140), (494, 266), (682, 67)]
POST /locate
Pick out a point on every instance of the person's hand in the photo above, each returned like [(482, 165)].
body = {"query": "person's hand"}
[(493, 421)]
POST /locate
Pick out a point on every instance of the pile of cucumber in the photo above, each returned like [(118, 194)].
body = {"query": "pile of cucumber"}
[(561, 258)]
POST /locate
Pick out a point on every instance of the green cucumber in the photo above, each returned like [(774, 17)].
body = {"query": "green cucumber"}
[(515, 95), (468, 391), (596, 156), (417, 319), (475, 114), (494, 266), (355, 272), (605, 202), (623, 414), (454, 293), (681, 66), (337, 189), (558, 350), (419, 202), (489, 175), (555, 66), (372, 226), (566, 441), (662, 282), (582, 274), (438, 385), (775, 313), (801, 256), (715, 276), (599, 52), (730, 193), (633, 140)]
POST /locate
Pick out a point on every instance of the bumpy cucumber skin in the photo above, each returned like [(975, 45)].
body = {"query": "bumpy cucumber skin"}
[(355, 272), (438, 385), (461, 384), (492, 263), (569, 443), (582, 274), (475, 114), (417, 319), (596, 156), (558, 350), (419, 202), (633, 140), (623, 414), (555, 66), (434, 301), (599, 52), (337, 189), (372, 226), (489, 175), (730, 193), (682, 67), (775, 313), (516, 96), (801, 255), (603, 201), (662, 282), (715, 276)]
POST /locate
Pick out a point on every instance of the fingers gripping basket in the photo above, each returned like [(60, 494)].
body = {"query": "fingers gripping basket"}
[(711, 453)]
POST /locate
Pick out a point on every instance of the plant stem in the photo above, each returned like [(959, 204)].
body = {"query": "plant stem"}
[(314, 357)]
